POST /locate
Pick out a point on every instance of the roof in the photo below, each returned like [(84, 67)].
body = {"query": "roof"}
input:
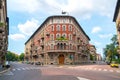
[(54, 17), (116, 10)]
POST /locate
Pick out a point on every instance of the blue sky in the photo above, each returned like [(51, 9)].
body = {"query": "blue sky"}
[(95, 17)]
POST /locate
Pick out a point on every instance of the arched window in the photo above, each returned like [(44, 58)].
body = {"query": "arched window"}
[(58, 28), (64, 35), (52, 36), (52, 28), (57, 35), (70, 37), (58, 46), (63, 28), (64, 46), (70, 28)]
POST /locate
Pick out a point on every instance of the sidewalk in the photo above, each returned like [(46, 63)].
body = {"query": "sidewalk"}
[(3, 70)]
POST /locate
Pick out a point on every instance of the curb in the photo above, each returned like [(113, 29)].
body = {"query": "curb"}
[(5, 70)]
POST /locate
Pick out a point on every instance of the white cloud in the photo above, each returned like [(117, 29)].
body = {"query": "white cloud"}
[(105, 35), (29, 6), (79, 8), (28, 27), (96, 29), (97, 43), (16, 36)]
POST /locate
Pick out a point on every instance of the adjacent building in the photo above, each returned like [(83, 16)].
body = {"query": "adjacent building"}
[(4, 30), (93, 52), (59, 40), (116, 19), (98, 57)]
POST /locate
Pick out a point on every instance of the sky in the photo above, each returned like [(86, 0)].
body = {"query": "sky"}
[(94, 16)]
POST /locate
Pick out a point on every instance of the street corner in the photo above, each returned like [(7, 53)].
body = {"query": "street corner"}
[(5, 70)]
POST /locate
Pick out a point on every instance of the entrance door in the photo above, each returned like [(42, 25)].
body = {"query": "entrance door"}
[(61, 59)]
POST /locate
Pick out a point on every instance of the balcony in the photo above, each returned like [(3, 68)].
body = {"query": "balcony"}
[(61, 50), (41, 43), (47, 34), (118, 29), (1, 37), (1, 29)]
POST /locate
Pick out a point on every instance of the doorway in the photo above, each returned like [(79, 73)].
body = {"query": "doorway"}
[(61, 59)]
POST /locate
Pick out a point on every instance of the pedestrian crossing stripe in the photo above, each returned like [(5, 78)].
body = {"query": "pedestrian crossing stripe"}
[(81, 78)]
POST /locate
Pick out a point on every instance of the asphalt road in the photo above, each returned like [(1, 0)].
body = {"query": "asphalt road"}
[(21, 71)]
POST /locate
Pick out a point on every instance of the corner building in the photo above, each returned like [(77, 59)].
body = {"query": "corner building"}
[(59, 40)]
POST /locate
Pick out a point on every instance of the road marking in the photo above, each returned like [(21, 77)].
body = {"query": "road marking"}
[(18, 69), (95, 69), (81, 78), (105, 70), (118, 71), (111, 70), (13, 69), (99, 69), (23, 68)]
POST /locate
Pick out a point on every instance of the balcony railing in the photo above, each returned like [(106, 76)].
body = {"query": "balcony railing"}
[(61, 50), (1, 29)]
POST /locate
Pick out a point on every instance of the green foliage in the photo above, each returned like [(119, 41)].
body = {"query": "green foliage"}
[(21, 57), (1, 24), (111, 49), (10, 56), (91, 57), (61, 38)]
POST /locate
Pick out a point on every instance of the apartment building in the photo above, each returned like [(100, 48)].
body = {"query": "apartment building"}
[(59, 40), (4, 30), (93, 51), (116, 19)]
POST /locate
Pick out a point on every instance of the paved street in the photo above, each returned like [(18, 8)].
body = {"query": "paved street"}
[(21, 71)]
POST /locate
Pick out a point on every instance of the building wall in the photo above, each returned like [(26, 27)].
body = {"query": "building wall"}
[(4, 24), (49, 49)]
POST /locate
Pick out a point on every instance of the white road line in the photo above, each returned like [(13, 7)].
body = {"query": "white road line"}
[(99, 69), (81, 78), (18, 69), (105, 70), (118, 71), (23, 68), (111, 70), (95, 69), (13, 69)]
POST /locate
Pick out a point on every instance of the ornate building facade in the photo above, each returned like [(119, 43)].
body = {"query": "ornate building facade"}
[(59, 40), (4, 30)]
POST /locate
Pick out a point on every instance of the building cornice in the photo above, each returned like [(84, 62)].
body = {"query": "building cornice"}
[(116, 10)]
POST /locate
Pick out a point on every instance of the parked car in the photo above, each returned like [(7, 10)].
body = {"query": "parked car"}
[(37, 63), (114, 64), (32, 63)]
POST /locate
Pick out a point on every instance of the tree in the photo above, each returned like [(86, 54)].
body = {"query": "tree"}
[(110, 52), (21, 57), (10, 56)]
